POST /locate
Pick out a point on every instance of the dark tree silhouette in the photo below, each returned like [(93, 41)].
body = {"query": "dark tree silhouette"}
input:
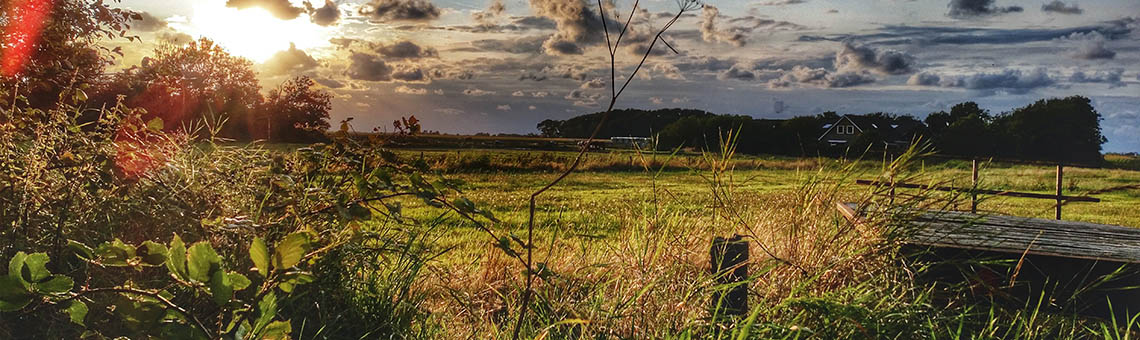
[(296, 111)]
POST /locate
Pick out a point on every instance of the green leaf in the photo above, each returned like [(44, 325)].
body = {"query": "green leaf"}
[(115, 253), (293, 279), (291, 250), (154, 124), (177, 263), (277, 330), (81, 250), (57, 284), (267, 310), (259, 253), (37, 267), (239, 281), (154, 254), (77, 312), (202, 261), (464, 205), (13, 295), (16, 269), (221, 288)]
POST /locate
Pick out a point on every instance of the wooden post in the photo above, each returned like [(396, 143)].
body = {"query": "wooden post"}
[(728, 263), (1060, 173), (974, 187)]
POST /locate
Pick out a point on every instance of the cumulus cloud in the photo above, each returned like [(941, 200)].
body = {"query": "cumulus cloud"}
[(710, 33), (1060, 7), (978, 8), (859, 58), (329, 83), (737, 72), (399, 10), (1090, 45), (1012, 80), (492, 12), (577, 25), (410, 90), (326, 15), (147, 23), (409, 73), (289, 61), (820, 77), (474, 92), (363, 66), (582, 98), (175, 38), (406, 50), (656, 100), (504, 107), (539, 94), (523, 45), (595, 83), (518, 94), (282, 9)]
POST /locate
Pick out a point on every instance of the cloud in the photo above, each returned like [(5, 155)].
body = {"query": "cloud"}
[(955, 35), (820, 77), (175, 38), (282, 9), (859, 58), (368, 67), (289, 61), (1059, 7), (978, 8), (523, 45), (410, 90), (656, 100), (680, 100), (1112, 77), (326, 15), (504, 107), (737, 72), (1012, 80), (781, 2), (492, 12), (409, 73), (406, 50), (474, 92), (577, 25), (399, 10), (147, 23), (710, 33), (595, 83), (581, 98), (539, 94), (1090, 45), (330, 83), (518, 94), (532, 107)]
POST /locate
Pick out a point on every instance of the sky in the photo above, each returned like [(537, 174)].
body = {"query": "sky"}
[(502, 66)]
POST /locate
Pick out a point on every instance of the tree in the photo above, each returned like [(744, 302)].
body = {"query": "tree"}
[(183, 84), (295, 111), (550, 128), (1057, 129), (56, 48)]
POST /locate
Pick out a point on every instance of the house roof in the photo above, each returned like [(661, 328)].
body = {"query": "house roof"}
[(892, 130)]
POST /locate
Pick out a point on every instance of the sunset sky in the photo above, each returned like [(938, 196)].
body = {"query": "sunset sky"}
[(467, 66)]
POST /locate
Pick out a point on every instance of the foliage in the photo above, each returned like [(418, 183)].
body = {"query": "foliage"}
[(66, 57), (295, 112)]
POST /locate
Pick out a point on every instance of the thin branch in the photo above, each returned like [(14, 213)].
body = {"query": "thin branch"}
[(153, 295)]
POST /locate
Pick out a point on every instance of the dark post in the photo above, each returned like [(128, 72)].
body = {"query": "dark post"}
[(728, 259), (974, 189), (1060, 172)]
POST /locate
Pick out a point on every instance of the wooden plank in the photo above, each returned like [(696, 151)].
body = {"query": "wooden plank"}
[(981, 191), (1023, 235)]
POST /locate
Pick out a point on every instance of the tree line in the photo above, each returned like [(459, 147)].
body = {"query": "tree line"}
[(1056, 129), (180, 85)]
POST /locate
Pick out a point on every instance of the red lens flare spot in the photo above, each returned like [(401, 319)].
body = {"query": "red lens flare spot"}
[(26, 19)]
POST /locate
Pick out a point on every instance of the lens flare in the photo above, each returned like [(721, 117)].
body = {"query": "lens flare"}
[(26, 20)]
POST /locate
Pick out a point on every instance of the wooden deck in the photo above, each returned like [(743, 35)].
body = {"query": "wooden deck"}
[(1023, 235)]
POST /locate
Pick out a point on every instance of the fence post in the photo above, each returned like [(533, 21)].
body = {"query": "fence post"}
[(1060, 173), (974, 188), (728, 259)]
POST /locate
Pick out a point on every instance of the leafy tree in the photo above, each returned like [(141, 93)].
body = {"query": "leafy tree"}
[(550, 128), (183, 84), (296, 111), (63, 57), (1057, 129)]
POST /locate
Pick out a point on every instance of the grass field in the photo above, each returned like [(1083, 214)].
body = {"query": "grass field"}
[(620, 230)]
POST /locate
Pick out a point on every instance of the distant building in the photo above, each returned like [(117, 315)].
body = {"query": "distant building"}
[(643, 143), (850, 127)]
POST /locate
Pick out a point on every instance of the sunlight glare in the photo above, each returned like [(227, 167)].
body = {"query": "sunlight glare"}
[(252, 33)]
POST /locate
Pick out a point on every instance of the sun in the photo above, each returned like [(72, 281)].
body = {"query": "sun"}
[(252, 33)]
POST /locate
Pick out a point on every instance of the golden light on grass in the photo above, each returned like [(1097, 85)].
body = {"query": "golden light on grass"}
[(253, 33)]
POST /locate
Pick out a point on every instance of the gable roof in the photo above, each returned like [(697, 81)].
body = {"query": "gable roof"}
[(890, 129)]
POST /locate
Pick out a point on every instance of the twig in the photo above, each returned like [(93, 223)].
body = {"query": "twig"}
[(153, 295)]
